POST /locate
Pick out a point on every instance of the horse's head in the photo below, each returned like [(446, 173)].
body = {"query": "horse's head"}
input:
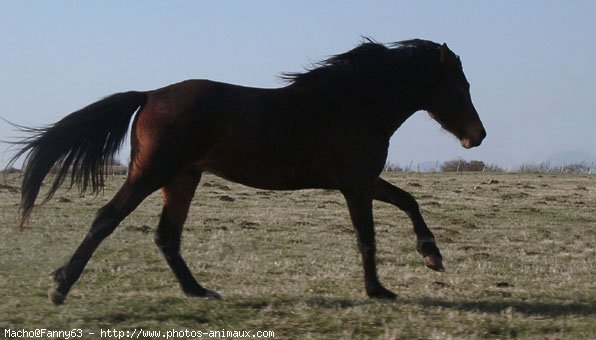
[(451, 104)]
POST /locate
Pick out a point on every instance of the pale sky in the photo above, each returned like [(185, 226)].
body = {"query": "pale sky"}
[(531, 64)]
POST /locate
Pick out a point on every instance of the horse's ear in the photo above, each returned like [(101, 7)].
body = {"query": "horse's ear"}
[(446, 53)]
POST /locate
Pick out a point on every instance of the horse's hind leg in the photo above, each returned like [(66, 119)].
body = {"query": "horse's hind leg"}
[(106, 220), (178, 194), (360, 207), (425, 245)]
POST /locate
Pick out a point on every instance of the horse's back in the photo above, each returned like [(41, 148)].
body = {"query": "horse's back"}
[(258, 137)]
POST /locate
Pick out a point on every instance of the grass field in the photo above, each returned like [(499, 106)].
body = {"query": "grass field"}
[(519, 252)]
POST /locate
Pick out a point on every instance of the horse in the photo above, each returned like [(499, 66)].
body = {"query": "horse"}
[(327, 127)]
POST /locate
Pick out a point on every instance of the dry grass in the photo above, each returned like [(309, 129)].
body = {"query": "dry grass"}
[(519, 251)]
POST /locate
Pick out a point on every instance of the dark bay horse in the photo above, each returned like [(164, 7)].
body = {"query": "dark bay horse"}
[(329, 128)]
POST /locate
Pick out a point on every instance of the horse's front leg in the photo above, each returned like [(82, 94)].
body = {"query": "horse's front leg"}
[(360, 206), (425, 245)]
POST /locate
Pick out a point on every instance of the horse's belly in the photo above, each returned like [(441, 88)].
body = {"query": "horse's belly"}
[(265, 174)]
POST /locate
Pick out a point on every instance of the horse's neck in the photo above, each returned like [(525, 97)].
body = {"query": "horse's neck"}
[(385, 107)]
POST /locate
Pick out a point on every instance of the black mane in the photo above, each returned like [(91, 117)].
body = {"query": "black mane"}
[(369, 55)]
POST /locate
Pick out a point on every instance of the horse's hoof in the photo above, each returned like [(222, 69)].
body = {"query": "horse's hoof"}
[(56, 297), (211, 295), (205, 294), (381, 293), (434, 263)]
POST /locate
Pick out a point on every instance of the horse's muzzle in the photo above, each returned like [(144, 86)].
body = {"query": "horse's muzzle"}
[(474, 136)]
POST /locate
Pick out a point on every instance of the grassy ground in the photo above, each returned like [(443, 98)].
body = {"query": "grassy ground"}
[(519, 252)]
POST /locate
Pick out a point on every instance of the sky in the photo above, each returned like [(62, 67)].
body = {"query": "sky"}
[(531, 64)]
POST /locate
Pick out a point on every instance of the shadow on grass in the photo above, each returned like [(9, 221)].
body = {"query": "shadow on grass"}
[(197, 311), (116, 318), (496, 307), (528, 308), (314, 302), (150, 309)]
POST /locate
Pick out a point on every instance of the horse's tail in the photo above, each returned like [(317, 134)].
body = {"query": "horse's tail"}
[(83, 142)]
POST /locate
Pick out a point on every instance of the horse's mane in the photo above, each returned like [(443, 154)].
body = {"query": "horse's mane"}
[(369, 55)]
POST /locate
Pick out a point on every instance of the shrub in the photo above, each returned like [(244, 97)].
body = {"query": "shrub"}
[(457, 165)]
